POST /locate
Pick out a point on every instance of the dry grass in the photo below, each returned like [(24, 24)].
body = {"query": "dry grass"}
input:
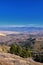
[(11, 59)]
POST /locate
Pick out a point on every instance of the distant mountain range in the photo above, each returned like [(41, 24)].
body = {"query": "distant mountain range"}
[(22, 29)]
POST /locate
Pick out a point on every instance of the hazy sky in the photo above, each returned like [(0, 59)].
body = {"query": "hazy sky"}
[(21, 12)]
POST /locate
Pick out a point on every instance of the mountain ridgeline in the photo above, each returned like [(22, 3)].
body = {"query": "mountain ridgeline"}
[(22, 29)]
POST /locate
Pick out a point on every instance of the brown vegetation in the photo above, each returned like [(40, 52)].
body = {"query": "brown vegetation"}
[(11, 59)]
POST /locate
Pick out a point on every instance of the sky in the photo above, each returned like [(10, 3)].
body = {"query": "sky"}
[(21, 12)]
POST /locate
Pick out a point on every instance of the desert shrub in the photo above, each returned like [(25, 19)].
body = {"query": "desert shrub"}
[(26, 53), (13, 49), (18, 50)]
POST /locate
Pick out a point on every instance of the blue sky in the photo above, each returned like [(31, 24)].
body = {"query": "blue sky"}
[(21, 12)]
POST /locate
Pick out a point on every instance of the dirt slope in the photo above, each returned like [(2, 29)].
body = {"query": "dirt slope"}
[(10, 59)]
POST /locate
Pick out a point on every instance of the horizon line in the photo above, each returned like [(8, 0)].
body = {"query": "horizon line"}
[(29, 25)]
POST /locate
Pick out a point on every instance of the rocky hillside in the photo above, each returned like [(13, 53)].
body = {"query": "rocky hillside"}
[(10, 59)]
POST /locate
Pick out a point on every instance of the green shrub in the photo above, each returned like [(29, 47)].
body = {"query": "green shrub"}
[(26, 53), (18, 50), (13, 49)]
